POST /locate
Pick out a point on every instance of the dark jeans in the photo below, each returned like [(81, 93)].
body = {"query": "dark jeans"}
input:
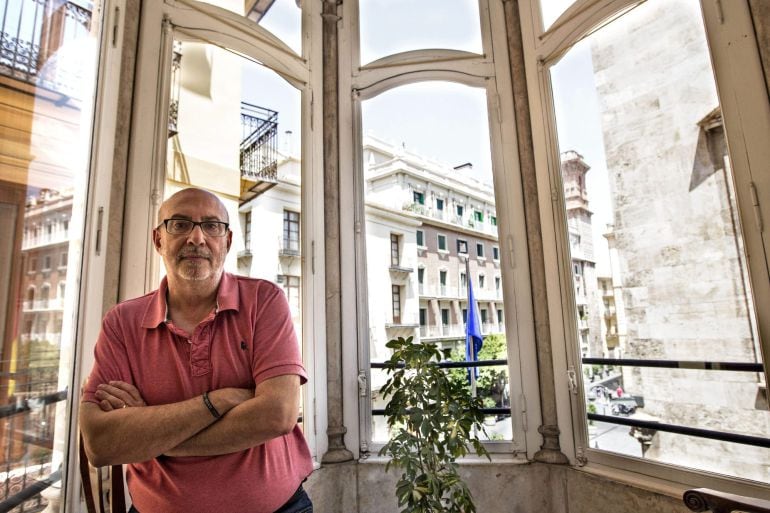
[(298, 503)]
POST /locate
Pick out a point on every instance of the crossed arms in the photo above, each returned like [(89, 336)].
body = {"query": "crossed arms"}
[(114, 434)]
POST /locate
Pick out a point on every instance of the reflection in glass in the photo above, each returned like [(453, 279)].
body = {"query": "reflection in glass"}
[(236, 133), (655, 240), (282, 18), (392, 26), (47, 69), (419, 212)]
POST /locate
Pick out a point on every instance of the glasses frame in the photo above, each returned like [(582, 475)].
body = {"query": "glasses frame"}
[(194, 224)]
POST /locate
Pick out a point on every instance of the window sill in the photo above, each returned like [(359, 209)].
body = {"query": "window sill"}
[(470, 460), (680, 480)]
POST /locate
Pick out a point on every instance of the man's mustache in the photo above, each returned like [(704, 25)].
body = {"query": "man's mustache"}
[(193, 253)]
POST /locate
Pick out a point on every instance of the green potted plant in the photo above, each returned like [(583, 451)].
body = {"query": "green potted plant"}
[(433, 421)]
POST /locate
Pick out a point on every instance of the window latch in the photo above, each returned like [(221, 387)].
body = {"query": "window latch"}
[(572, 380), (362, 384)]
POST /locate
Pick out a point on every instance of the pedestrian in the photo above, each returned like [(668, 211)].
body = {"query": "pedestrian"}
[(619, 392), (196, 385)]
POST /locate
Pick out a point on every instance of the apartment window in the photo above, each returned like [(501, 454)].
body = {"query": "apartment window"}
[(62, 288), (465, 316), (463, 281), (291, 231), (480, 250), (482, 281), (478, 215), (460, 210), (445, 317), (497, 283), (499, 316), (631, 69), (419, 198), (420, 275), (462, 246), (493, 220), (423, 317), (495, 253), (483, 313), (47, 263), (442, 278), (395, 257), (439, 204), (33, 264), (420, 238), (291, 286), (63, 260), (396, 302), (247, 231), (442, 242)]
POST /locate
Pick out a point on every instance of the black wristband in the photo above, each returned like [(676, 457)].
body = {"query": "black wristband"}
[(210, 406)]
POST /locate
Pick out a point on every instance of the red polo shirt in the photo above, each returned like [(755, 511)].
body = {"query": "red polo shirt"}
[(249, 339)]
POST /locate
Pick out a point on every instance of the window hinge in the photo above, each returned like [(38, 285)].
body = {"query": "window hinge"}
[(572, 380), (115, 25), (99, 220), (498, 109), (312, 257), (511, 254), (362, 384), (720, 11), (755, 205), (524, 422)]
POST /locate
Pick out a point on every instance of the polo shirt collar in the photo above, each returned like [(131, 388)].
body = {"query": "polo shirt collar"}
[(157, 308)]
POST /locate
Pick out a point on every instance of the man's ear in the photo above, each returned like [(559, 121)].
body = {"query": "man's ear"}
[(229, 239), (156, 239)]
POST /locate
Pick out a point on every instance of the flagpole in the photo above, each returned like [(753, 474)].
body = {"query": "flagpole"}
[(471, 370)]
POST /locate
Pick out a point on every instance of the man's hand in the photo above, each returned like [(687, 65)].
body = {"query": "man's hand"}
[(118, 394)]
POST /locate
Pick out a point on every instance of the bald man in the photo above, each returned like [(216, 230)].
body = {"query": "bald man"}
[(196, 385)]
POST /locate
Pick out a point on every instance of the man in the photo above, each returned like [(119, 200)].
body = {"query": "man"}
[(196, 385)]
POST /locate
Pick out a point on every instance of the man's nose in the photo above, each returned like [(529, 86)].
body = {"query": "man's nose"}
[(196, 236)]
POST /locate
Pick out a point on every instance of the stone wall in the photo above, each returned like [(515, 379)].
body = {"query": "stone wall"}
[(496, 488), (681, 273)]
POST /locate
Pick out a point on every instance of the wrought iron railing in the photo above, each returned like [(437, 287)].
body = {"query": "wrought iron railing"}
[(259, 130), (27, 472), (31, 32), (651, 426)]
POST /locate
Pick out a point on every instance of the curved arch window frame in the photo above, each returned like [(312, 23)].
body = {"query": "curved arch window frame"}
[(746, 99), (491, 72), (188, 20)]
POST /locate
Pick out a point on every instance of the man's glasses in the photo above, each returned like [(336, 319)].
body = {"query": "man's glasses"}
[(185, 226)]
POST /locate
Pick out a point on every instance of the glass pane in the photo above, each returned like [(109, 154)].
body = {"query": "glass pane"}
[(421, 162), (47, 79), (282, 18), (393, 26), (655, 240), (552, 9), (234, 129)]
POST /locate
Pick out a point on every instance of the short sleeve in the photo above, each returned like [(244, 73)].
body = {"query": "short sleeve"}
[(110, 357), (276, 349)]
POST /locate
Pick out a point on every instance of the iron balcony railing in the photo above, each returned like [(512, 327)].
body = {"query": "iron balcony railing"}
[(31, 32), (259, 131), (711, 434)]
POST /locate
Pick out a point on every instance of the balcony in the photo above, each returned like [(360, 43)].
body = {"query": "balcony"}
[(289, 249), (57, 237), (31, 35), (43, 305), (259, 158)]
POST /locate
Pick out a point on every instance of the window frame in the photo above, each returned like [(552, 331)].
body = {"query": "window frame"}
[(439, 238), (491, 72), (161, 23), (744, 104)]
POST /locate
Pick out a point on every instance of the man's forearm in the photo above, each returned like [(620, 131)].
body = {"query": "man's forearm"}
[(130, 435), (253, 422)]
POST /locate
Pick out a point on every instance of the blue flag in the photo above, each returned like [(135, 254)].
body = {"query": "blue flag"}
[(473, 337)]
